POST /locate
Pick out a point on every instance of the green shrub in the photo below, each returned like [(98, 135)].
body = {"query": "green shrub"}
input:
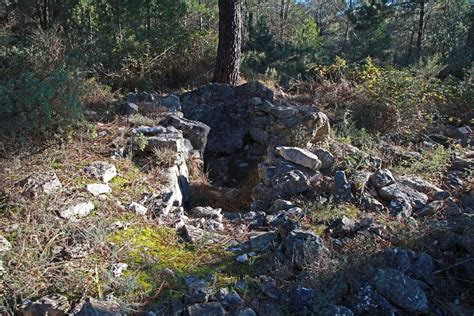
[(38, 92)]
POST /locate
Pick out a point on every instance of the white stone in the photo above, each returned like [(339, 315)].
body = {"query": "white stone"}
[(242, 258), (118, 269), (77, 210), (138, 208), (300, 157), (101, 170), (98, 188), (5, 245)]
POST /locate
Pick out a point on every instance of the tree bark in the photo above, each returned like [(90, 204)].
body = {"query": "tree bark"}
[(230, 40), (420, 30)]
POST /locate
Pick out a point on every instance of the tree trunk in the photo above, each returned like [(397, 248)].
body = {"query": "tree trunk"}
[(230, 39), (420, 30)]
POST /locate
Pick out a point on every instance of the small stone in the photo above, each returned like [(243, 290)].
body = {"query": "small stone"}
[(118, 269), (207, 212), (208, 309), (192, 234), (101, 170), (232, 299), (299, 156), (138, 208), (366, 301), (5, 246), (242, 258), (98, 188), (400, 207), (292, 182), (77, 210), (264, 242), (399, 191), (327, 159), (342, 189), (304, 248), (128, 108), (94, 307), (198, 289), (382, 178), (371, 204)]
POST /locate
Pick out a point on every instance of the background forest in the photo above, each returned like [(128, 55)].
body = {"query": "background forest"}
[(56, 54)]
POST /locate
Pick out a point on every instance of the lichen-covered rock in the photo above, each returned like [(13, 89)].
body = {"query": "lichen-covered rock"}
[(303, 249), (263, 242), (41, 183), (397, 191), (128, 108), (400, 290), (382, 178), (342, 189), (335, 310), (366, 301), (101, 170), (291, 182)]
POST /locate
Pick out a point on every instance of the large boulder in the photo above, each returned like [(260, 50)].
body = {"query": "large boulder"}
[(245, 114), (223, 110)]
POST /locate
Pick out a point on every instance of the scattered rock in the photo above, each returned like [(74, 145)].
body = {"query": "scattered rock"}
[(366, 301), (342, 188), (327, 159), (420, 185), (263, 242), (198, 289), (299, 156), (192, 234), (292, 182), (207, 309), (40, 183), (128, 108), (138, 208), (98, 188), (101, 170), (301, 300), (400, 207), (171, 102), (232, 299), (77, 210), (458, 132), (382, 178), (303, 248), (196, 132), (242, 258), (94, 307), (207, 212), (399, 191), (53, 304), (371, 204), (280, 205), (118, 269), (400, 290)]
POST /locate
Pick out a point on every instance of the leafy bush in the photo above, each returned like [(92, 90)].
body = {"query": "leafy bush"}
[(38, 91)]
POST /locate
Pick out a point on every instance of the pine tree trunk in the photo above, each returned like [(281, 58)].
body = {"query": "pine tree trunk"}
[(230, 39), (420, 30)]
